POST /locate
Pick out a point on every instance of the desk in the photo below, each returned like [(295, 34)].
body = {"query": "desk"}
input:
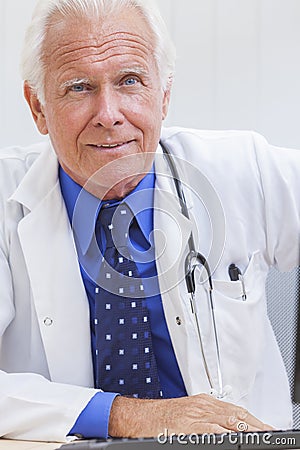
[(6, 444)]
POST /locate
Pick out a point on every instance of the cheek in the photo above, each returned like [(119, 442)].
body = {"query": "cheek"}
[(65, 124), (145, 113), (152, 121)]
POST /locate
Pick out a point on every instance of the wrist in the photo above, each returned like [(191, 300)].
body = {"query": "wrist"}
[(133, 418)]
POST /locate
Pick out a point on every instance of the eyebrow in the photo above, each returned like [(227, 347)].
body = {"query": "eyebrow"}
[(75, 81), (126, 71), (136, 69)]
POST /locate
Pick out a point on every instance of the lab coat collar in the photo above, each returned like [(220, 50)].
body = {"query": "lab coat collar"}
[(35, 186)]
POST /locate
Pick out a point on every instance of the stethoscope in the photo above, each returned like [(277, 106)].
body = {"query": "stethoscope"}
[(193, 260)]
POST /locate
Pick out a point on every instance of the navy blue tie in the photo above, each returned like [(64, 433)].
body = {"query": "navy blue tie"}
[(125, 361)]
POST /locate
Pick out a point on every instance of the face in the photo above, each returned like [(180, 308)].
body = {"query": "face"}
[(104, 103)]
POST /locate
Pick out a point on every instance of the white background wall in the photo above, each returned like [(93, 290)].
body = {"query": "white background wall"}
[(238, 67)]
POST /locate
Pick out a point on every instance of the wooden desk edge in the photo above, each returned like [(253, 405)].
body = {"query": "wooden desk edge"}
[(8, 444)]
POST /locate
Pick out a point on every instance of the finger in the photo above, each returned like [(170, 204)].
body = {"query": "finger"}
[(233, 424), (244, 425), (230, 416), (253, 422), (238, 419), (229, 423), (239, 414)]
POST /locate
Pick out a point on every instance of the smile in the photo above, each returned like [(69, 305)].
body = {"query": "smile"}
[(109, 145), (120, 144)]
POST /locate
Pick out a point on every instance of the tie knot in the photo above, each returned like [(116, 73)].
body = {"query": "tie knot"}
[(116, 221)]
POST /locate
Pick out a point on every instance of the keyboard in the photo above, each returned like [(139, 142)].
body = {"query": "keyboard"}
[(273, 440)]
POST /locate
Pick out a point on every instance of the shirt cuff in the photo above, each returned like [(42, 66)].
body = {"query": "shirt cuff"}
[(93, 420)]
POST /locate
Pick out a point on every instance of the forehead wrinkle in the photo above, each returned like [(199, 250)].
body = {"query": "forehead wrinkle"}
[(96, 60), (111, 48), (132, 41), (104, 56)]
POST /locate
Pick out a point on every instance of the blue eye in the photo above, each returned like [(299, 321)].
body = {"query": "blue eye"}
[(130, 81), (77, 88)]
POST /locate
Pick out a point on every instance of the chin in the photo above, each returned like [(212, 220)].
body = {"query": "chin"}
[(119, 176)]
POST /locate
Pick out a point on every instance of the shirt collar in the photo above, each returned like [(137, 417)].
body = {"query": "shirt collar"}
[(83, 207)]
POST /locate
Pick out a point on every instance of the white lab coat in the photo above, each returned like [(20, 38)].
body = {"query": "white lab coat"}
[(46, 373)]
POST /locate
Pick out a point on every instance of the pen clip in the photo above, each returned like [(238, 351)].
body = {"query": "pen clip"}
[(235, 274), (244, 295)]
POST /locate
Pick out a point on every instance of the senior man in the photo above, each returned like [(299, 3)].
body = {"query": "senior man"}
[(111, 345)]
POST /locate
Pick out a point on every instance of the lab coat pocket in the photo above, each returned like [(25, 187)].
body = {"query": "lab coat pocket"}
[(239, 328)]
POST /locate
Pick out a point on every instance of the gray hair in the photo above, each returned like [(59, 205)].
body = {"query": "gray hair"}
[(32, 65)]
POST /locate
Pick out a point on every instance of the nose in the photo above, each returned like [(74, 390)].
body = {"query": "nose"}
[(107, 109)]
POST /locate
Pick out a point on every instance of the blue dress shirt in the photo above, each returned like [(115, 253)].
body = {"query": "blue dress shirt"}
[(93, 421)]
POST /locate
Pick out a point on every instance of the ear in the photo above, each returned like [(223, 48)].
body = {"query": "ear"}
[(36, 108), (166, 100)]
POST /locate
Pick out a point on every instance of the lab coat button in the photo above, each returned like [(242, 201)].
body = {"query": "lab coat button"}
[(178, 321), (48, 321)]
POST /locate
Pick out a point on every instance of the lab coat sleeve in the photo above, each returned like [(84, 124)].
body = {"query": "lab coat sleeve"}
[(280, 179), (33, 408)]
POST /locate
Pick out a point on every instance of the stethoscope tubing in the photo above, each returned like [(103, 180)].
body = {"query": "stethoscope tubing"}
[(193, 260)]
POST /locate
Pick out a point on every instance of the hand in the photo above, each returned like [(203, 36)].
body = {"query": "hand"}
[(198, 414)]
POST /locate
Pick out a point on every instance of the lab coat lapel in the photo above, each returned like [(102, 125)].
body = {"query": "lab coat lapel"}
[(57, 289), (171, 232)]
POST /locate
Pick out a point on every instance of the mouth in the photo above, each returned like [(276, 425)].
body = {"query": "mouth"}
[(113, 146)]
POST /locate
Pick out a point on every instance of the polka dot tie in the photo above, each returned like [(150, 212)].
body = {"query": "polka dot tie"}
[(125, 361)]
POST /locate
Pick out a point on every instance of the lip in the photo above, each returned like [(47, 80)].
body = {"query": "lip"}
[(111, 145)]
